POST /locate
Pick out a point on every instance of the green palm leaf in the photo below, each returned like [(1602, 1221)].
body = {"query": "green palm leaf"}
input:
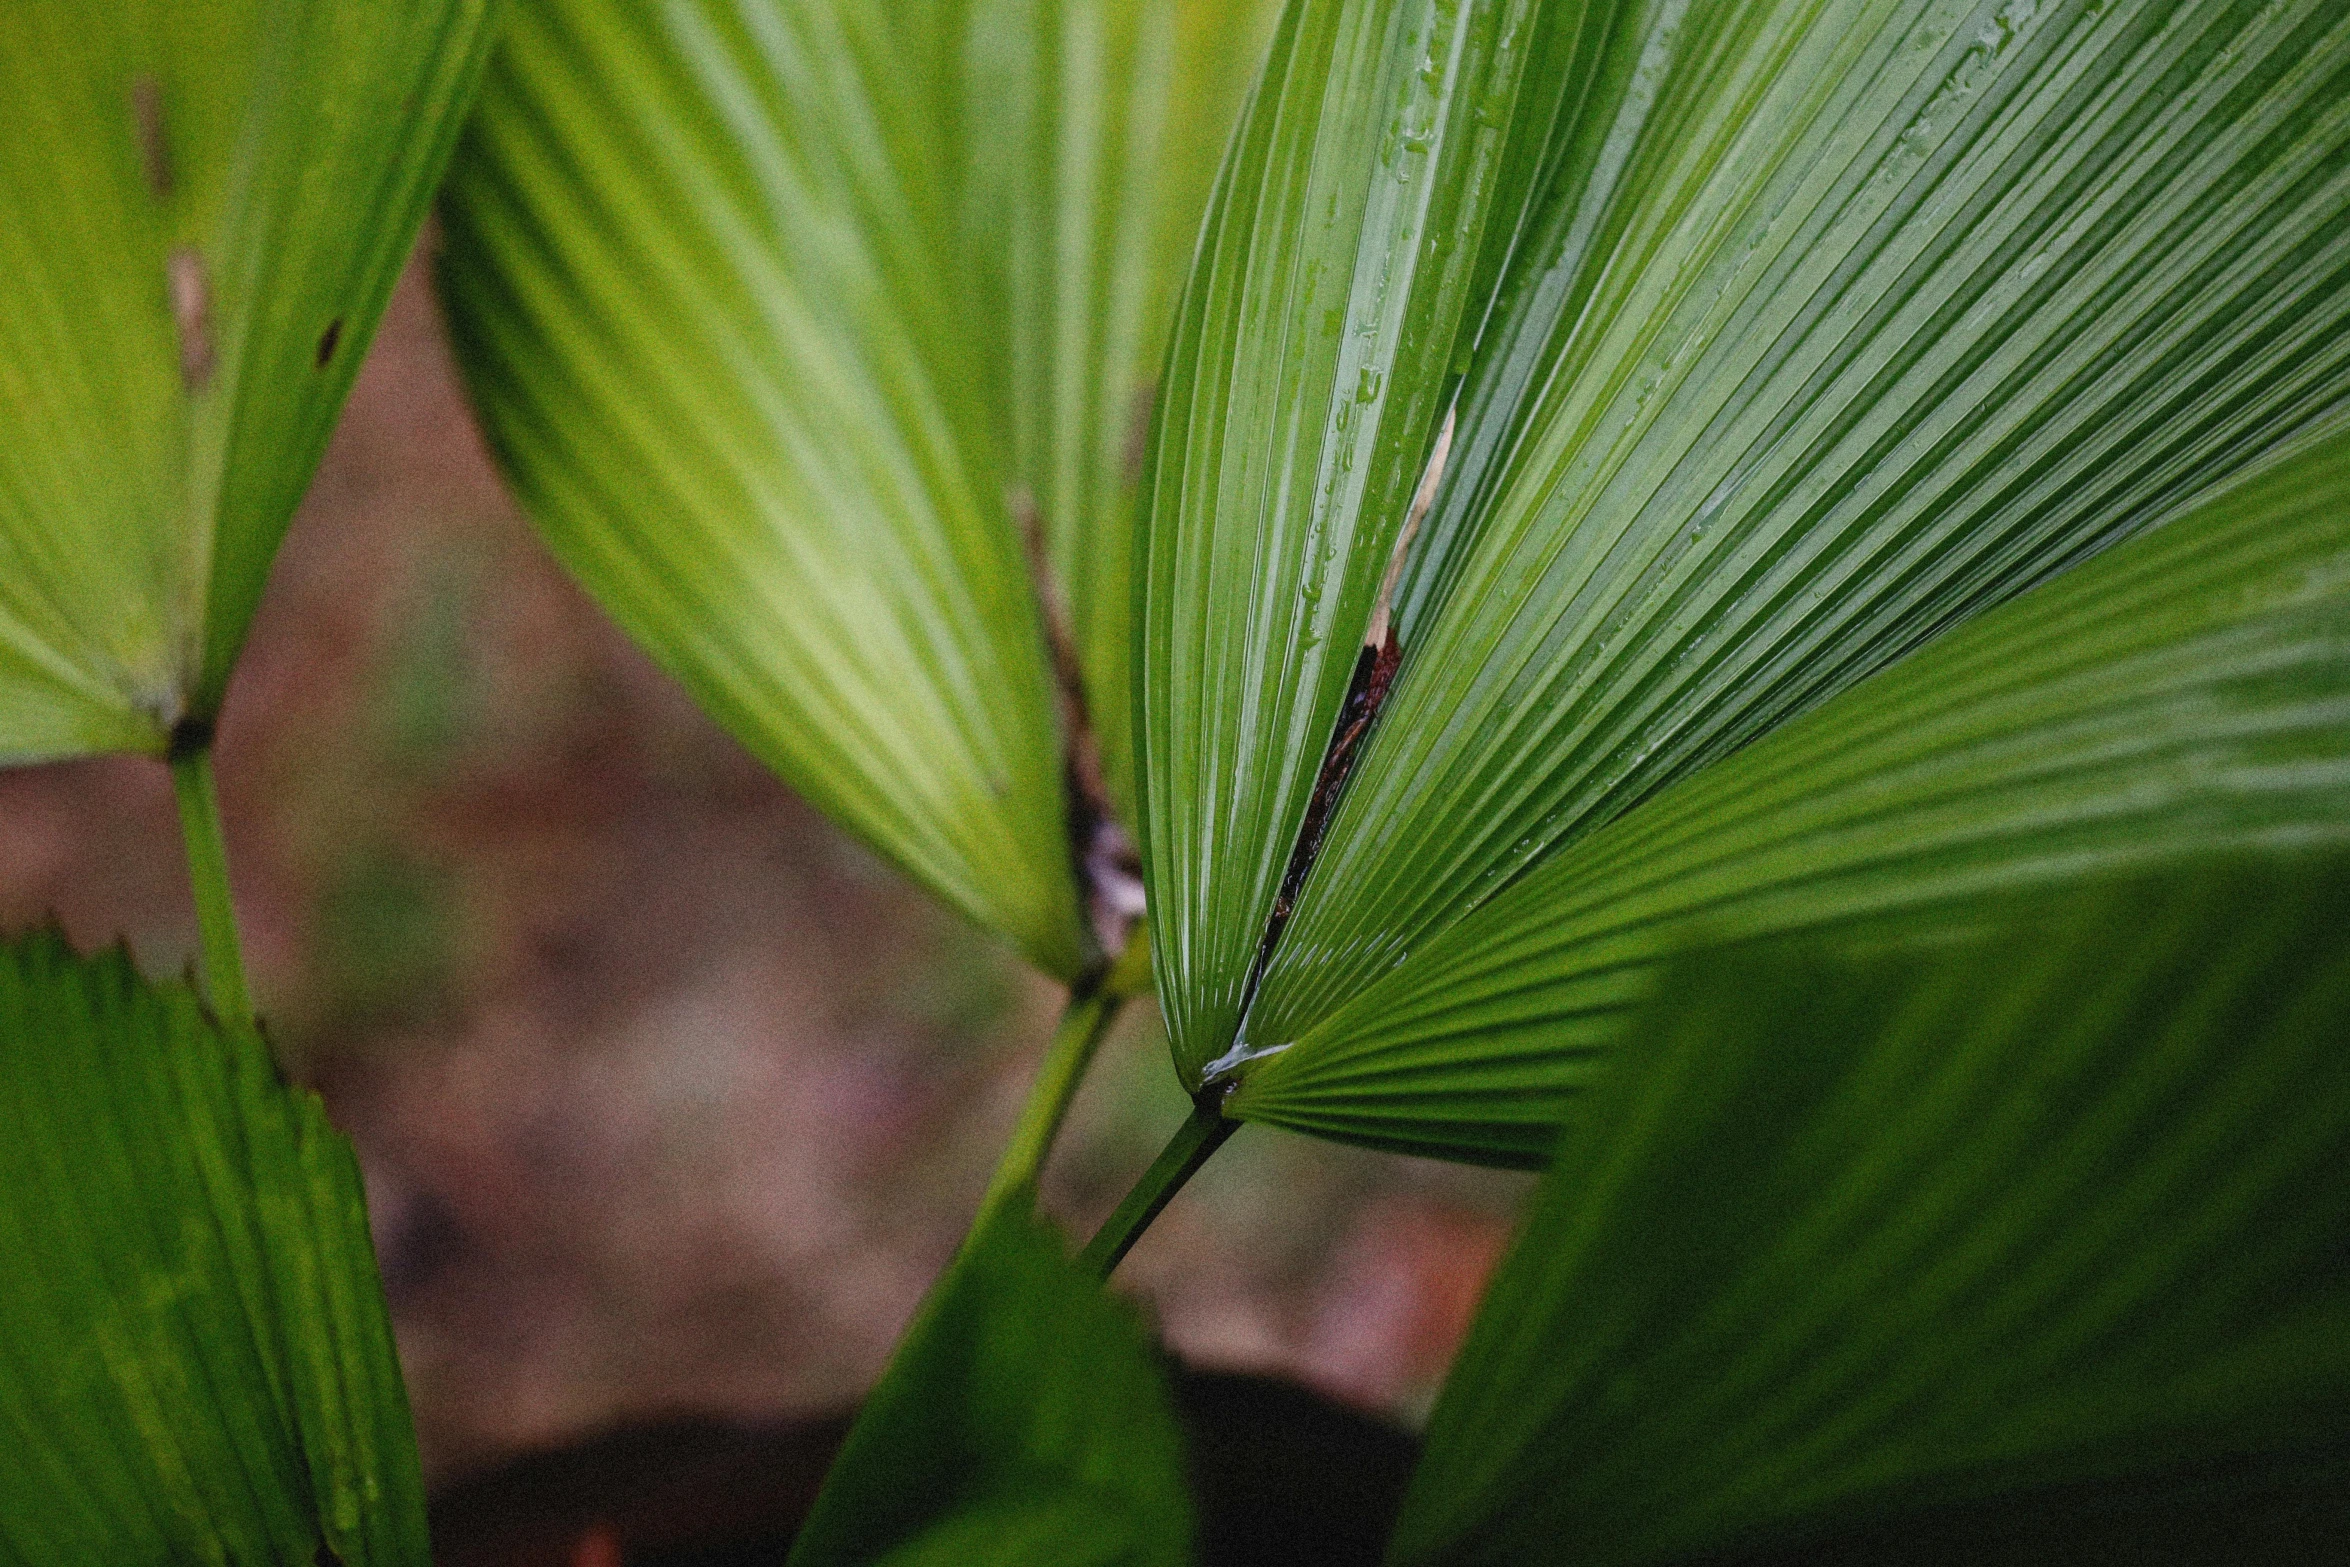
[(195, 1363), (1373, 185), (2186, 691), (1858, 1227), (202, 212), (1023, 1420), (1835, 323), (789, 318)]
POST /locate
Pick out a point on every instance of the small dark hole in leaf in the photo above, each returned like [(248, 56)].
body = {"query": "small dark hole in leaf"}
[(329, 340)]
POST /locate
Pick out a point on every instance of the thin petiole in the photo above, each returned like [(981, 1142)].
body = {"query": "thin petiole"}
[(1200, 1135), (1093, 1005), (216, 915)]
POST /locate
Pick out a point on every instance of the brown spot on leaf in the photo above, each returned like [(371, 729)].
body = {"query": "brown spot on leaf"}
[(154, 146), (328, 340), (1137, 447), (191, 311)]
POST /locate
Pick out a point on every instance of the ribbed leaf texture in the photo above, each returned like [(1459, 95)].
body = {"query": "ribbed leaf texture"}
[(1024, 1420), (195, 1361), (2187, 691), (1376, 180), (1836, 323), (796, 322), (1859, 1226), (202, 212)]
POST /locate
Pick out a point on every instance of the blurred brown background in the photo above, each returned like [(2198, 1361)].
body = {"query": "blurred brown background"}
[(670, 1097)]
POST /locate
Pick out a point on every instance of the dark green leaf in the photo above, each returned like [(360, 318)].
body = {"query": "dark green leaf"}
[(202, 212), (1024, 1420), (195, 1363), (1377, 177), (2186, 691), (2287, 1507), (1859, 1225), (788, 317), (1840, 321)]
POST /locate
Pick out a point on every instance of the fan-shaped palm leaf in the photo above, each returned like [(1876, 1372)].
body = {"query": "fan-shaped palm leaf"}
[(1832, 323), (2185, 692), (195, 1361), (807, 330), (1862, 1226), (202, 212)]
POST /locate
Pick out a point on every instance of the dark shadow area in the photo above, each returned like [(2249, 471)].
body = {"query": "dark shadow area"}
[(1283, 1476), (2291, 1510), (704, 1492)]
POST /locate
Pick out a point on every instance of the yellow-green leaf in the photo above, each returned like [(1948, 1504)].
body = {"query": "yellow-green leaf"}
[(790, 319), (202, 211)]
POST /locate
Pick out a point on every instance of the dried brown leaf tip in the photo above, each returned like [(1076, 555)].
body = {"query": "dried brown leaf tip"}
[(191, 312), (1422, 499)]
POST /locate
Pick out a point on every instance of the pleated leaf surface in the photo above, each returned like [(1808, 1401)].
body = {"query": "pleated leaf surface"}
[(1836, 323), (1375, 184), (794, 321), (1024, 1419), (202, 212), (1858, 1228), (195, 1360), (2185, 692)]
